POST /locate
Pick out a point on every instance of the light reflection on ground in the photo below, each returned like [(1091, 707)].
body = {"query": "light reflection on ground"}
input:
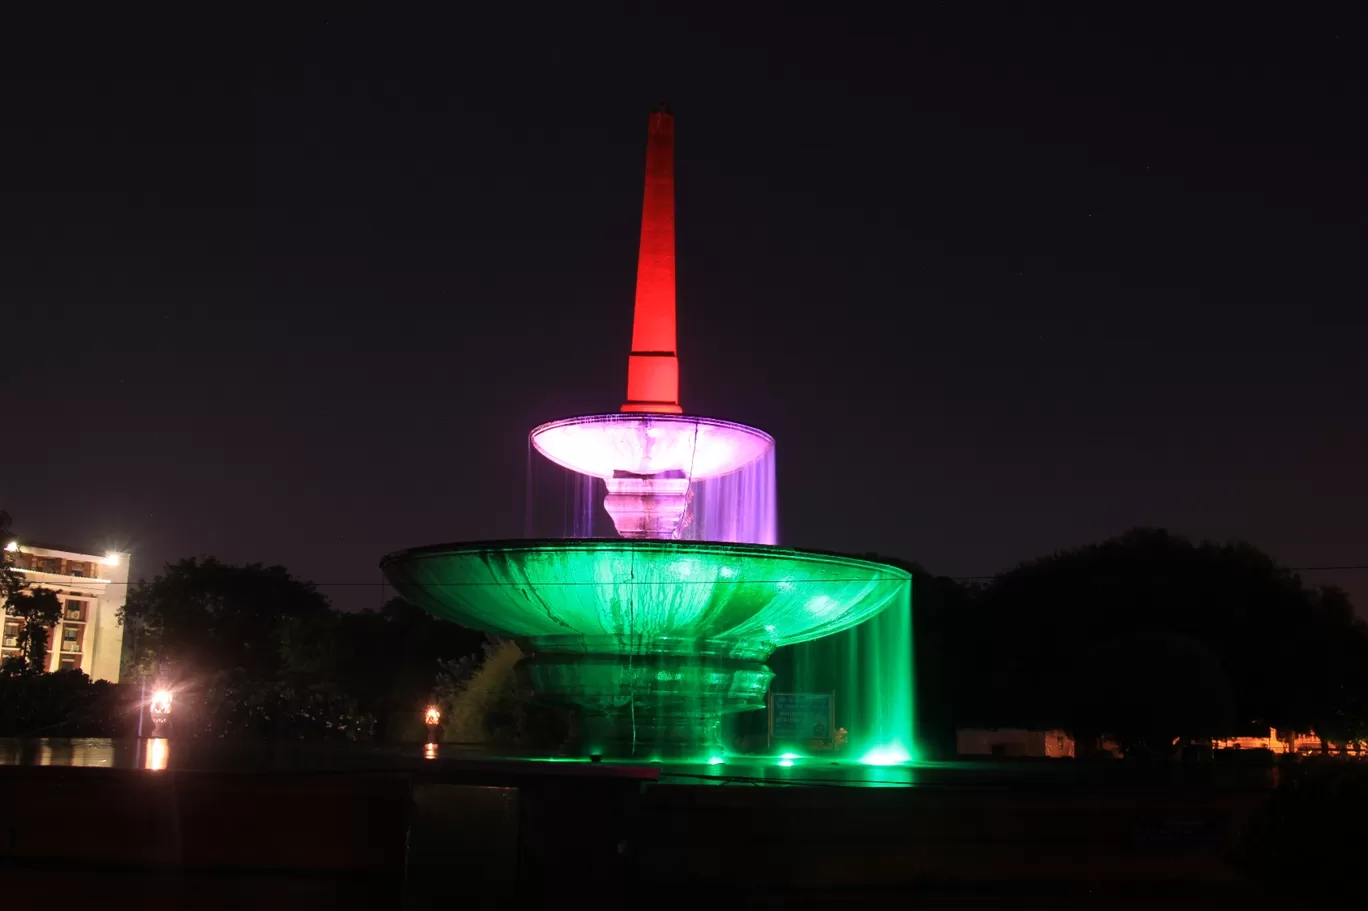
[(157, 754)]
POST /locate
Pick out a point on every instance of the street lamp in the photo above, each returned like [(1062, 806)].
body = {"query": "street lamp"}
[(160, 710), (432, 717)]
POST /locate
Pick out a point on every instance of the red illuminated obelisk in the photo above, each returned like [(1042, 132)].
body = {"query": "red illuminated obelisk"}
[(653, 368)]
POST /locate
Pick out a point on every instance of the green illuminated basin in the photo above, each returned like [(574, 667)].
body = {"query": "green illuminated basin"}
[(653, 641)]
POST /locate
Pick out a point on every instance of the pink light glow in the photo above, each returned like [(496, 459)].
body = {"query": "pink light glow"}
[(649, 444)]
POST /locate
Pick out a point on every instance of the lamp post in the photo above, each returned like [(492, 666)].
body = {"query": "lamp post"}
[(432, 718), (160, 710)]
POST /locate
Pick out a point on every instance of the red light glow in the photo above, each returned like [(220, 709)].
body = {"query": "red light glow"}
[(653, 368)]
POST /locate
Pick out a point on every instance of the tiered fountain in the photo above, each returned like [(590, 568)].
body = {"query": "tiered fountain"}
[(651, 637)]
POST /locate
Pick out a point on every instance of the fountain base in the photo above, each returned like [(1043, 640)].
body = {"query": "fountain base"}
[(652, 699)]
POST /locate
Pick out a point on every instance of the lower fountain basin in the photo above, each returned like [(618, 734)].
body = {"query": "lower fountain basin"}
[(653, 641)]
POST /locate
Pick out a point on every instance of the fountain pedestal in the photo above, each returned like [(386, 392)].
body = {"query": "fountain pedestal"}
[(648, 507), (661, 698)]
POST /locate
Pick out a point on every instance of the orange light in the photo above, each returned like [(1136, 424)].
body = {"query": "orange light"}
[(433, 716), (158, 752)]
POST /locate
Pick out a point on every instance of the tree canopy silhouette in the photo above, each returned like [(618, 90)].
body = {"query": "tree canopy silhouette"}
[(258, 652), (1152, 638)]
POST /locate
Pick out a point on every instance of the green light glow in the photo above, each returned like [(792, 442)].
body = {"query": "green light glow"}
[(652, 641), (786, 763), (555, 759), (644, 589), (892, 754), (870, 668), (716, 760), (789, 756)]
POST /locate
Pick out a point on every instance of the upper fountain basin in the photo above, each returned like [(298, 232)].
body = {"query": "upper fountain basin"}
[(648, 444), (631, 592)]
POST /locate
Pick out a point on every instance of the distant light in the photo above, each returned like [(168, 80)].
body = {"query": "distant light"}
[(111, 559), (786, 763), (12, 546), (716, 760), (160, 706), (432, 716), (790, 757)]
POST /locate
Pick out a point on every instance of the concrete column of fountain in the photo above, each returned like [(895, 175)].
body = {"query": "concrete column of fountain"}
[(652, 639)]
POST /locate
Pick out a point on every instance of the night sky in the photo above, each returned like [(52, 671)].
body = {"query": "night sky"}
[(998, 280)]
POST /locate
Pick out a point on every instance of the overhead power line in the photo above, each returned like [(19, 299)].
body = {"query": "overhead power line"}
[(1351, 567)]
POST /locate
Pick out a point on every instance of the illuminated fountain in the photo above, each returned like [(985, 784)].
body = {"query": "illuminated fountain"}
[(651, 637)]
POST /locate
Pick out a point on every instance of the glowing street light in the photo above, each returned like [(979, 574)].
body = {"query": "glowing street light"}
[(432, 717), (160, 710), (12, 546)]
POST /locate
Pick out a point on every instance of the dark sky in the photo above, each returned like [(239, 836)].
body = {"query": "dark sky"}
[(998, 280)]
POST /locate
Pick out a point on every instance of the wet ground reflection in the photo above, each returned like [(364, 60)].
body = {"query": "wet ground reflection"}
[(157, 754), (91, 752)]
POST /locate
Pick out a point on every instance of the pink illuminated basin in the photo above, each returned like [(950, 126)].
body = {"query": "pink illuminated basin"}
[(605, 445)]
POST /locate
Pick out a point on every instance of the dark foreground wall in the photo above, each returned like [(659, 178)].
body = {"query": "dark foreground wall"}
[(298, 840), (475, 837), (1061, 846), (200, 840)]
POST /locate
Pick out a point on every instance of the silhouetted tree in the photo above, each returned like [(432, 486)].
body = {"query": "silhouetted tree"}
[(217, 633), (204, 616), (10, 581), (484, 703), (38, 608), (61, 704), (388, 660), (261, 653), (1152, 638)]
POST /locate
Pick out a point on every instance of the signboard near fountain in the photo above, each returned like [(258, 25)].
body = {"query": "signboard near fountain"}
[(802, 719)]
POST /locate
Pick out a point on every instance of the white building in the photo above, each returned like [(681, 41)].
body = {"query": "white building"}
[(91, 588)]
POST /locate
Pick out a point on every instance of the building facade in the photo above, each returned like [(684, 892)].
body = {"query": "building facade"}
[(92, 588), (1013, 742)]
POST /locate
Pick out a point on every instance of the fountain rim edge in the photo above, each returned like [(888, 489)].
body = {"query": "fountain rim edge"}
[(643, 416), (515, 545)]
